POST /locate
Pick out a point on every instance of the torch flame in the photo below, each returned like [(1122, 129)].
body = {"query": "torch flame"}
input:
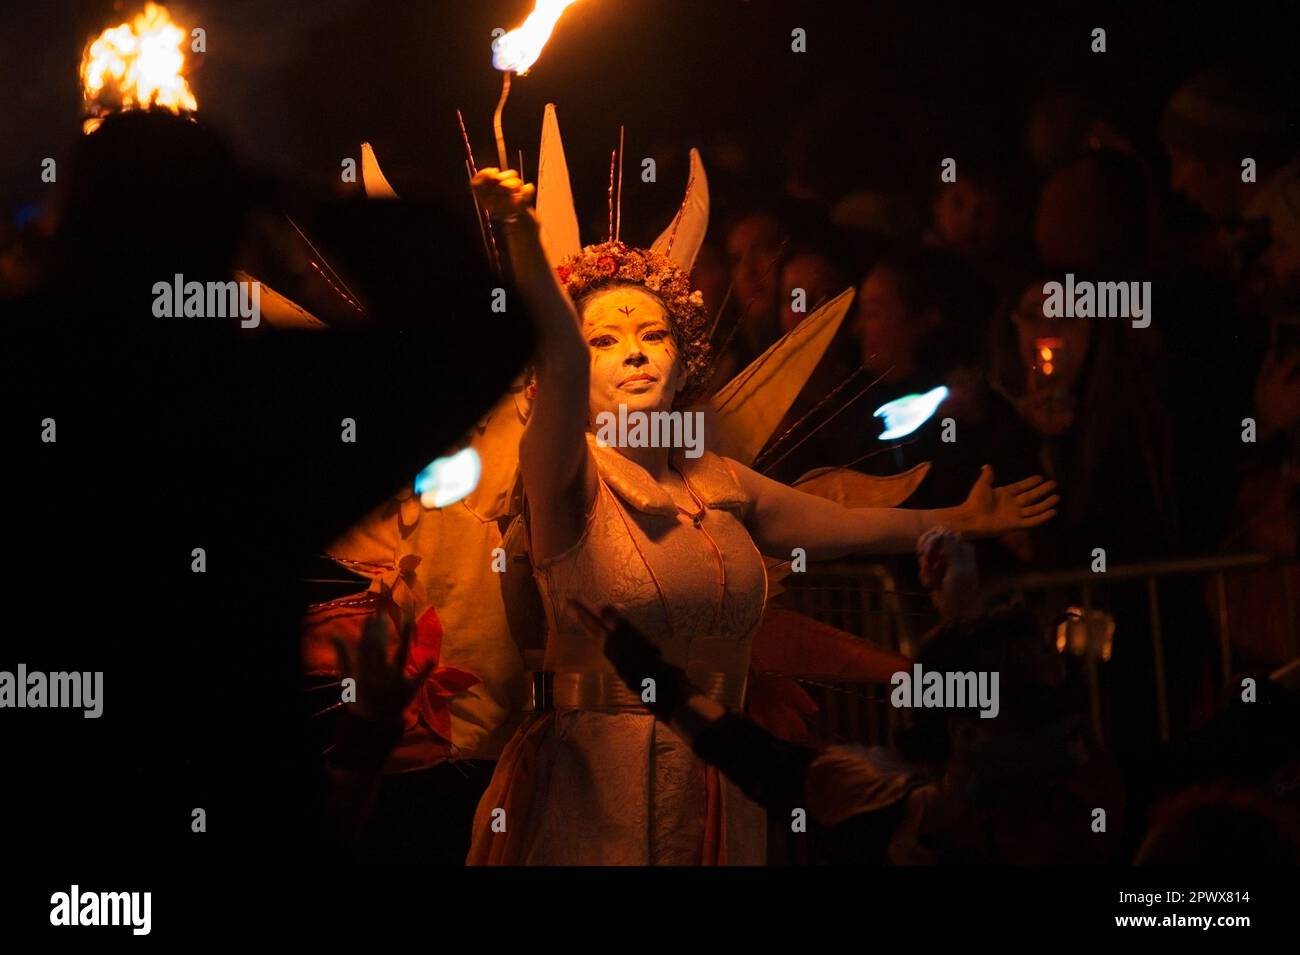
[(519, 49), (136, 65)]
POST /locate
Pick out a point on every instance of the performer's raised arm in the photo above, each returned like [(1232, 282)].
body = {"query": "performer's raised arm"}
[(783, 517), (559, 476)]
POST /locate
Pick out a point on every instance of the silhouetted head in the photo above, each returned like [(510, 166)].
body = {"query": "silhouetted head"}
[(1095, 213), (150, 194), (1210, 124), (1220, 824)]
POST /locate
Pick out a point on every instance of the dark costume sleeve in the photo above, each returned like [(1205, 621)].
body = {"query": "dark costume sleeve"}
[(768, 770)]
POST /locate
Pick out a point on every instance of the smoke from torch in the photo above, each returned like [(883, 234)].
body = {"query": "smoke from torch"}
[(136, 65)]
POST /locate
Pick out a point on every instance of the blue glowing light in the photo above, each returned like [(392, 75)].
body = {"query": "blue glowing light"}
[(449, 479), (904, 415)]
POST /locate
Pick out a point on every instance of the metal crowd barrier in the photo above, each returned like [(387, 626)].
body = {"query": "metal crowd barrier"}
[(864, 599)]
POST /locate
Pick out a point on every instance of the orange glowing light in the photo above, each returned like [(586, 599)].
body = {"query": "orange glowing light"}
[(518, 50), (1045, 349), (136, 65)]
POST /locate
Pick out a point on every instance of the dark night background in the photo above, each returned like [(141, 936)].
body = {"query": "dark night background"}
[(886, 88)]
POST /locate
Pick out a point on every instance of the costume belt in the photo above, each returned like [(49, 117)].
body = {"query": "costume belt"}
[(572, 690)]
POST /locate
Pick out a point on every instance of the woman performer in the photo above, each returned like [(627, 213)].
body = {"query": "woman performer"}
[(671, 540)]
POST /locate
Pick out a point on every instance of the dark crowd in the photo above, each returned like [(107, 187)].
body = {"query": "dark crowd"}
[(1174, 445)]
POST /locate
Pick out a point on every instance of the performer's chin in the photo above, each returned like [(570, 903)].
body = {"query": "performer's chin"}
[(643, 396)]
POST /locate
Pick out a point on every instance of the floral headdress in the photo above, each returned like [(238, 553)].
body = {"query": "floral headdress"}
[(663, 269), (614, 263)]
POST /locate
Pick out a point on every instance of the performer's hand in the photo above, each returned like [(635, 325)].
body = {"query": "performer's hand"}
[(383, 690), (990, 511), (636, 658), (501, 192)]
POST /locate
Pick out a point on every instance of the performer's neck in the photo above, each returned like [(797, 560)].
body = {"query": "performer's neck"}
[(654, 460)]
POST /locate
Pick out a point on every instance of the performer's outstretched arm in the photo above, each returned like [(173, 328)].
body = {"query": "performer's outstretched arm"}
[(559, 475), (783, 517)]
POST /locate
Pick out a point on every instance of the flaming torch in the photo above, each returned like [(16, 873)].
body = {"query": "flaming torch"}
[(518, 50), (136, 65)]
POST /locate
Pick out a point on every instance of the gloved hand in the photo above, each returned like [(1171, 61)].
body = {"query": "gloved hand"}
[(637, 659)]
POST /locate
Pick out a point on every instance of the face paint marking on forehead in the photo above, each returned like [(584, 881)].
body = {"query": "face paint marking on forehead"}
[(615, 306)]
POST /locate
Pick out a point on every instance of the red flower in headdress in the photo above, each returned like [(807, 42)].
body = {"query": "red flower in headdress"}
[(563, 271), (432, 704), (607, 265)]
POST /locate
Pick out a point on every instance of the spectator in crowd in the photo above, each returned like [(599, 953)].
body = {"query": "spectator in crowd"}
[(756, 241), (917, 323), (1212, 126), (1066, 124), (969, 216), (1220, 825)]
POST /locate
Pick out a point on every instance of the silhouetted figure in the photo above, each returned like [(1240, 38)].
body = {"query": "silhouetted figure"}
[(179, 434)]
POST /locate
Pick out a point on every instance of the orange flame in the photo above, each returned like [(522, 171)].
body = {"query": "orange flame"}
[(136, 65), (519, 49)]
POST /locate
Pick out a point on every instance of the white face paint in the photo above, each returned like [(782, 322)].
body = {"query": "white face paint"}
[(634, 356)]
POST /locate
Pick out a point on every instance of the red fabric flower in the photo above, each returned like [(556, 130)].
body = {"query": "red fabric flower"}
[(607, 265), (432, 704), (563, 271)]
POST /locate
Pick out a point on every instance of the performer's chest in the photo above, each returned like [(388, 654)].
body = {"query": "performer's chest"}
[(704, 569)]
